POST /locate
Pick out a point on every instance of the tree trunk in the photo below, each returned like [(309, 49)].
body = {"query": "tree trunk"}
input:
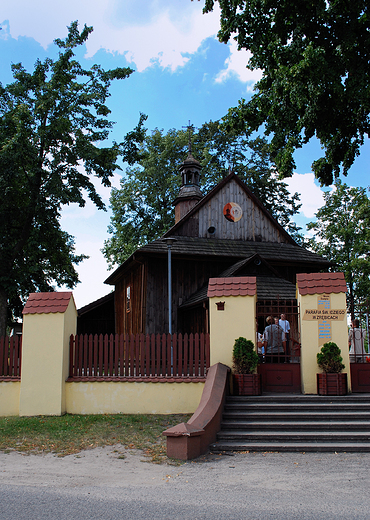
[(3, 311)]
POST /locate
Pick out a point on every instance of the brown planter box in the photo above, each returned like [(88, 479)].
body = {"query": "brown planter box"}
[(248, 384), (332, 384)]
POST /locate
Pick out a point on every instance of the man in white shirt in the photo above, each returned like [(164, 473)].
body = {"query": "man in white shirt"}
[(285, 325)]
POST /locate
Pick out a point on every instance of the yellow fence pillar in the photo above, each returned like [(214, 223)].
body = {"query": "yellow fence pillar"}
[(48, 321), (232, 308), (323, 316)]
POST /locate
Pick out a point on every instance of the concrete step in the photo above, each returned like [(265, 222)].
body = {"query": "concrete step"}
[(292, 447), (299, 398), (291, 407), (296, 416), (285, 436), (296, 425)]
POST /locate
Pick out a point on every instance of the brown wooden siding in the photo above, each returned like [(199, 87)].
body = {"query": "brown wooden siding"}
[(157, 296), (149, 293), (254, 224), (97, 321), (132, 321), (193, 319), (188, 277), (190, 227)]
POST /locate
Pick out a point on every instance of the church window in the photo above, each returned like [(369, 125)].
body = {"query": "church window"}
[(128, 298)]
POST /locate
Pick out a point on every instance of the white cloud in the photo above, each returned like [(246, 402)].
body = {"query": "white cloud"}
[(159, 35), (312, 197), (160, 41), (73, 212), (92, 273), (44, 20), (89, 226), (235, 65)]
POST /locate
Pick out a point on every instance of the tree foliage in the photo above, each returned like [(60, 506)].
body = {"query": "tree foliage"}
[(342, 235), (316, 76), (142, 207), (52, 124)]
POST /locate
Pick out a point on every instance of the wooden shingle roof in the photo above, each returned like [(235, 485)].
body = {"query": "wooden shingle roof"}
[(238, 249), (95, 304), (268, 287), (272, 287), (235, 248)]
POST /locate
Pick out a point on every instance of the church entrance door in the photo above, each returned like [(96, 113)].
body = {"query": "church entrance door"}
[(279, 345)]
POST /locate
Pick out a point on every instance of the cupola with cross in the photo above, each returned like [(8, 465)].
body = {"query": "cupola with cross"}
[(190, 192)]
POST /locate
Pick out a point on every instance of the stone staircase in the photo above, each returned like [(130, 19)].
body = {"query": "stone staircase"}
[(295, 423)]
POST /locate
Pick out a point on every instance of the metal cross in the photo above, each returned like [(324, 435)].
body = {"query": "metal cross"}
[(190, 128)]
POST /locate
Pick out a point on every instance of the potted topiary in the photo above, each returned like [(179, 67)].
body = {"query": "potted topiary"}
[(245, 361), (332, 381)]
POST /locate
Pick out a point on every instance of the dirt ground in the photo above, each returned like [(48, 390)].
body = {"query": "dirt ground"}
[(99, 466)]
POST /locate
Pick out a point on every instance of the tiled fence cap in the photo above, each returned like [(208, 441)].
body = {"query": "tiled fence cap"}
[(232, 286), (44, 303), (318, 283)]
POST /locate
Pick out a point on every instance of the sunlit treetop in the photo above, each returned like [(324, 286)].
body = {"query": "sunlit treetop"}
[(316, 76)]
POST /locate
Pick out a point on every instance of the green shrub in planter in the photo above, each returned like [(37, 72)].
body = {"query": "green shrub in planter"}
[(245, 358), (329, 359)]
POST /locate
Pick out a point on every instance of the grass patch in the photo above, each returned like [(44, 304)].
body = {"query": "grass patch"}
[(71, 434)]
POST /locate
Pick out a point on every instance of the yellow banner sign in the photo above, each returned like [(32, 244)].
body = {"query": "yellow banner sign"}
[(324, 314)]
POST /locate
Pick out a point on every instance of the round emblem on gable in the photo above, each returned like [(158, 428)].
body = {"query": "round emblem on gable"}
[(232, 212)]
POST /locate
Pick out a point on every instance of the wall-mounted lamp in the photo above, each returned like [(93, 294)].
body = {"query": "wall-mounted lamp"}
[(220, 306)]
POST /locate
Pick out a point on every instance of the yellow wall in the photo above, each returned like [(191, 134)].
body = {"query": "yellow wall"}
[(238, 319), (45, 361), (132, 398), (9, 397), (70, 327), (310, 342)]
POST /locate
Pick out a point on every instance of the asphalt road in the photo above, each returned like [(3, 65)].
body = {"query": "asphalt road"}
[(112, 483)]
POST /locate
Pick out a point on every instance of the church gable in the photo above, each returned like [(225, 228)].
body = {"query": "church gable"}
[(230, 211)]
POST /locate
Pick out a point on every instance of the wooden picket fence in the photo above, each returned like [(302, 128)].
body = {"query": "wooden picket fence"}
[(139, 357), (10, 358)]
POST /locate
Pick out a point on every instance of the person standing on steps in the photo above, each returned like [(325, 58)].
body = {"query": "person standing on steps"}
[(274, 340), (260, 345), (285, 325)]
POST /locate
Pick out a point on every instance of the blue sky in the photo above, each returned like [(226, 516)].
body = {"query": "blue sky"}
[(182, 73)]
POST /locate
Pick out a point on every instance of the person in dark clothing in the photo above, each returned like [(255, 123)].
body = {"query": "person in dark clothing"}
[(274, 339)]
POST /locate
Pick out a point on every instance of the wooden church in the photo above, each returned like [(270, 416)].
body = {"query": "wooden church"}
[(225, 233)]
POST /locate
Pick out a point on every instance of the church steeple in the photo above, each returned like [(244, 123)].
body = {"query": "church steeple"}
[(190, 192)]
